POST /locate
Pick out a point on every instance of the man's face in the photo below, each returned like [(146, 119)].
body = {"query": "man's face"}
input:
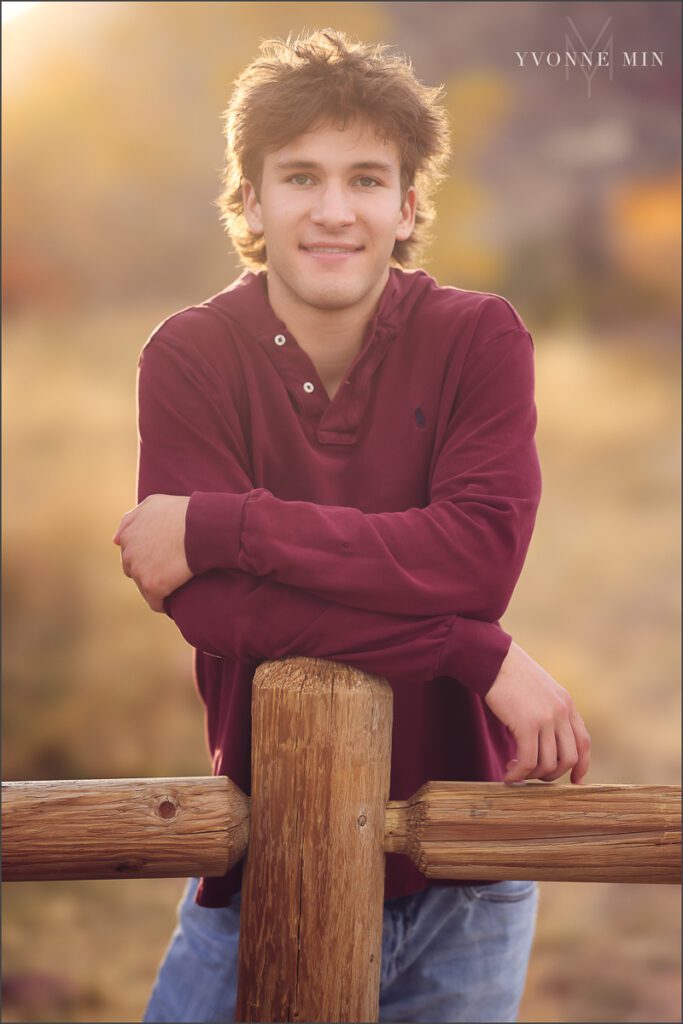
[(330, 210)]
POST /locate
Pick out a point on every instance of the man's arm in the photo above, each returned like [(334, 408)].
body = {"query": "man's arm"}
[(190, 437), (281, 622), (229, 614), (462, 554)]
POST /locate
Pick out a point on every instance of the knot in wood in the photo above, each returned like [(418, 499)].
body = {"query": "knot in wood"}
[(167, 809), (129, 866), (362, 820)]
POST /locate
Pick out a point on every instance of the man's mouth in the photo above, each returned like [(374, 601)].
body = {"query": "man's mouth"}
[(331, 249)]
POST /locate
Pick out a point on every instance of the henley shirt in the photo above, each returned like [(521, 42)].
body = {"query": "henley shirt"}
[(384, 528)]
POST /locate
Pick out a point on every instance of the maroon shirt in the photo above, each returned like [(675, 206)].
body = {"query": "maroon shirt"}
[(385, 528)]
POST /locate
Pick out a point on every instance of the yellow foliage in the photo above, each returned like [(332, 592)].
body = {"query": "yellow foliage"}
[(477, 102), (644, 221)]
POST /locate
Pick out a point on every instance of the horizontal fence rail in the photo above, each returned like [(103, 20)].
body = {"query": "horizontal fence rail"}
[(122, 828), (541, 831), (179, 827)]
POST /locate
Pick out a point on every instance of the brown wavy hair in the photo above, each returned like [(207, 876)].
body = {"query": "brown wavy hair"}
[(298, 85)]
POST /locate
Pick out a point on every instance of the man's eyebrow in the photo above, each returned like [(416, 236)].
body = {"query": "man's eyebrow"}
[(312, 165)]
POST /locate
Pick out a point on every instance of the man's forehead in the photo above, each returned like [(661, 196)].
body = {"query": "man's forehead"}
[(358, 145)]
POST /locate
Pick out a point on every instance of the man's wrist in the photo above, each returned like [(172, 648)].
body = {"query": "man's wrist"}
[(213, 529)]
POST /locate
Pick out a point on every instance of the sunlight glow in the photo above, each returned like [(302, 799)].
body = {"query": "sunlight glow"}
[(12, 10)]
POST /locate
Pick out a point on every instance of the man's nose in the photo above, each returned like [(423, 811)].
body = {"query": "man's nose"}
[(333, 207)]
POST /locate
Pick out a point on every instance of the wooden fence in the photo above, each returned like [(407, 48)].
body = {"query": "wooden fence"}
[(315, 832)]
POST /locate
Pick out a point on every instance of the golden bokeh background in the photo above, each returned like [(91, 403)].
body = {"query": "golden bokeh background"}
[(566, 203)]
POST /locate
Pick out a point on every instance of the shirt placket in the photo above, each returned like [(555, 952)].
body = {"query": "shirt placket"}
[(342, 420), (337, 419), (298, 373)]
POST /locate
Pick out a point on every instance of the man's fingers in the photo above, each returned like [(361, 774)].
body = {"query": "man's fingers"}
[(126, 520), (155, 601), (583, 747), (547, 754), (120, 530), (567, 754), (527, 757)]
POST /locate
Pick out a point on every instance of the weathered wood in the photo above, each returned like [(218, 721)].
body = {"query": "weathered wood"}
[(313, 888), (114, 828), (542, 831), (122, 828)]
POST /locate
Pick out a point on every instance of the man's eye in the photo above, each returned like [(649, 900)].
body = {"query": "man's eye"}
[(367, 182), (300, 179)]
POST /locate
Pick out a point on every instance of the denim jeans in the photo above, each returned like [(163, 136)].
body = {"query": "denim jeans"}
[(448, 954)]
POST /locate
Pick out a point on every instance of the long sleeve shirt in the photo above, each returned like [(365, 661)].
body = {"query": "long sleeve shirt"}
[(385, 528)]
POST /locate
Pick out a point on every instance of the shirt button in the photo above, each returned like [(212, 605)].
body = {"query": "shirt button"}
[(308, 387), (279, 339)]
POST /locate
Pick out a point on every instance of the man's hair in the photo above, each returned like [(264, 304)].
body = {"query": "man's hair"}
[(300, 85)]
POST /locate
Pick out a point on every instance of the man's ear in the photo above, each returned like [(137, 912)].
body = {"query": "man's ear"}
[(407, 221), (252, 207)]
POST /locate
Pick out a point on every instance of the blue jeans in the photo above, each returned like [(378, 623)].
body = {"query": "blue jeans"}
[(448, 954)]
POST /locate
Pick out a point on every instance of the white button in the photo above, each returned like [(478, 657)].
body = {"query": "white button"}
[(308, 387), (279, 339)]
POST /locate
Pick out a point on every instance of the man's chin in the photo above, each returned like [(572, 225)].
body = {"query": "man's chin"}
[(333, 295)]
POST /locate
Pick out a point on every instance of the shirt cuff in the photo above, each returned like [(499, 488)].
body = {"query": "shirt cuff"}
[(474, 652), (213, 530)]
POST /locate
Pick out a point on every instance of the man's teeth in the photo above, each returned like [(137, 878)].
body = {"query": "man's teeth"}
[(327, 248)]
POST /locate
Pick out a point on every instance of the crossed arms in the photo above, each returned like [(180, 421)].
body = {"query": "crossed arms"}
[(409, 595)]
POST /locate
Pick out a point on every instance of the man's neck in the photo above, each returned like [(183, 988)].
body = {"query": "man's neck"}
[(331, 337)]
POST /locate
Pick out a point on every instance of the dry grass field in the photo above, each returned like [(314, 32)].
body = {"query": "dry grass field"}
[(97, 686)]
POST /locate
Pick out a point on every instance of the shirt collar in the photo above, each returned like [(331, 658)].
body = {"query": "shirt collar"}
[(246, 301)]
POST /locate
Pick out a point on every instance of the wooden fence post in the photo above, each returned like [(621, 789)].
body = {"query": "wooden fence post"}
[(313, 886)]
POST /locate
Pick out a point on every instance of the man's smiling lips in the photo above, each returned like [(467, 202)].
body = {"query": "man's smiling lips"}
[(331, 252)]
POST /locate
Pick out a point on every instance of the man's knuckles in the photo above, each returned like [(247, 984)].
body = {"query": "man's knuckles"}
[(152, 583), (148, 581), (547, 766)]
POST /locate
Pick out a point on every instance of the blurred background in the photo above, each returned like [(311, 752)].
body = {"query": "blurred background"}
[(563, 195)]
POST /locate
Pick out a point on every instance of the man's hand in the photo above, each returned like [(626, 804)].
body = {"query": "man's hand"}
[(550, 733), (152, 541)]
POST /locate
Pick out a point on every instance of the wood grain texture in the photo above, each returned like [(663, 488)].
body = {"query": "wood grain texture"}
[(542, 831), (313, 889), (152, 828), (122, 828)]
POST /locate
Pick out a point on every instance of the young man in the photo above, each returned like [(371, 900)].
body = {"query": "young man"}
[(337, 460)]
